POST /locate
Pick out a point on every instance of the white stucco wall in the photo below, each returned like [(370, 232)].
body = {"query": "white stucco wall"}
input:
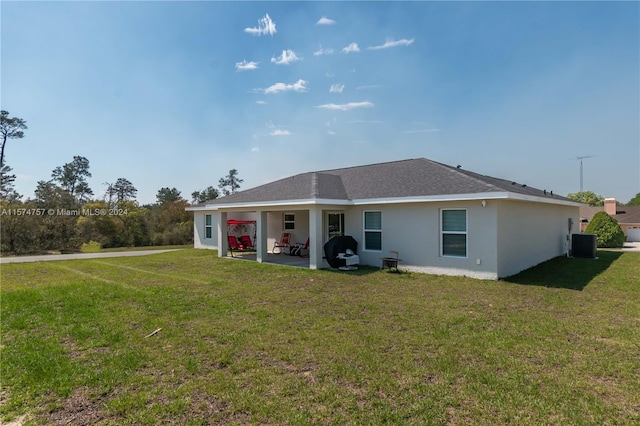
[(275, 226), (531, 233), (414, 230), (199, 240), (504, 237)]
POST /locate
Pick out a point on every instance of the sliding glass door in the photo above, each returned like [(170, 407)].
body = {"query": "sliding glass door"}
[(335, 224)]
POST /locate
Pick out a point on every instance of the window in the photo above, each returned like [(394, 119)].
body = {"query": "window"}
[(208, 228), (289, 221), (453, 233), (373, 231)]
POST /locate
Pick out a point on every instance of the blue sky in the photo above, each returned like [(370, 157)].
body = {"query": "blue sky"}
[(177, 93)]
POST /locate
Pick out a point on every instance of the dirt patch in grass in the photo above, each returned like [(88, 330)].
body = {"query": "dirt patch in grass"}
[(18, 421), (206, 406), (78, 409)]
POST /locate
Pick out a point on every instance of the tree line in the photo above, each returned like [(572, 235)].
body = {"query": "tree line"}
[(64, 212), (593, 199)]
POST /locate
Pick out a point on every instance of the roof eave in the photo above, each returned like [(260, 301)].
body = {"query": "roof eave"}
[(390, 200), (467, 197), (279, 203)]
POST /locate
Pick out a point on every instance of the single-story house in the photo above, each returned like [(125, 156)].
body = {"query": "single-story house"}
[(628, 217), (442, 219)]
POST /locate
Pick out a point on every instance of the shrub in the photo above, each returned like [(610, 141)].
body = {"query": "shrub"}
[(607, 229)]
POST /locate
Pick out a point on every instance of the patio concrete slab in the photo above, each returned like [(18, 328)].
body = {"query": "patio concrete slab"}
[(279, 259)]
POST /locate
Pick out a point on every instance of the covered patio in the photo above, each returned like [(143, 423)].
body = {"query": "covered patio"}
[(270, 223), (278, 259)]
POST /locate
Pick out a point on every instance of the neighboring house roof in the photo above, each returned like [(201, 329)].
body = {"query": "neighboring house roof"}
[(393, 180), (625, 215), (588, 212)]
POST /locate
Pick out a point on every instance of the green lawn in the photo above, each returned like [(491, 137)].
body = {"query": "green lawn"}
[(248, 343)]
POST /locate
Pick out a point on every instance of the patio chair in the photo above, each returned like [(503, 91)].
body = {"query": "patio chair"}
[(391, 262), (245, 241), (233, 244), (300, 249), (284, 244)]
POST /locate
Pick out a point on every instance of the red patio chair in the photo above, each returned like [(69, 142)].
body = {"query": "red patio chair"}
[(284, 244), (234, 244), (245, 241)]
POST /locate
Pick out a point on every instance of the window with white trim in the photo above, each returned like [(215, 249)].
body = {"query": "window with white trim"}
[(208, 227), (289, 220), (453, 232), (373, 230)]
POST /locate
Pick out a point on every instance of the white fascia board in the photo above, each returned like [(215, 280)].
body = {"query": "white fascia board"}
[(547, 200), (281, 203), (465, 197), (432, 198), (389, 200)]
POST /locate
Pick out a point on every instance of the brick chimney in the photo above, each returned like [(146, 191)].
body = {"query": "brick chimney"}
[(610, 206)]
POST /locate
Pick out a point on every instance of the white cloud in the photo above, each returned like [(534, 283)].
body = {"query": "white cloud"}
[(331, 132), (261, 102), (336, 88), (255, 149), (392, 43), (265, 26), (298, 86), (329, 75), (280, 132), (244, 65), (288, 56), (353, 47), (275, 131), (422, 131), (325, 21), (322, 51), (347, 106)]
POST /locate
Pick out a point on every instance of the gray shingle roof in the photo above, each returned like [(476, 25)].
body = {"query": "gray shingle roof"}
[(628, 215), (406, 178)]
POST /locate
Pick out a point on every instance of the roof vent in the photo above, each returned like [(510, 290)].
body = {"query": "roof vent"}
[(458, 166), (513, 183), (524, 185)]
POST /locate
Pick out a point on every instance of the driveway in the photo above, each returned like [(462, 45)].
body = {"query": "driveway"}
[(631, 246), (51, 257)]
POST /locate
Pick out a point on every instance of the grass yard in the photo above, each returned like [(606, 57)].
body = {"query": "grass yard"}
[(248, 343)]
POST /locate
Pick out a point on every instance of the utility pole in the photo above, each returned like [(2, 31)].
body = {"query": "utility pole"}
[(580, 158)]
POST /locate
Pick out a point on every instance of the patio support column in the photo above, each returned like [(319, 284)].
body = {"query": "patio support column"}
[(261, 236), (315, 237), (223, 244)]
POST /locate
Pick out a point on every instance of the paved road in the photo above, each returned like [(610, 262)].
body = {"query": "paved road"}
[(50, 257)]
